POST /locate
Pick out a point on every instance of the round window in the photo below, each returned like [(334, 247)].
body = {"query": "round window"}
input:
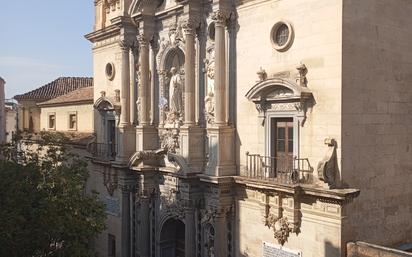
[(110, 71), (282, 36)]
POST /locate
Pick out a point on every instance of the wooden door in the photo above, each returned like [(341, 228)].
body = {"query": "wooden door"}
[(282, 144)]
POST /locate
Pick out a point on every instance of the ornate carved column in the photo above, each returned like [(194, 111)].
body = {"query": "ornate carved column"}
[(221, 136), (125, 86), (220, 17), (144, 103), (189, 27), (133, 84), (190, 233), (146, 134)]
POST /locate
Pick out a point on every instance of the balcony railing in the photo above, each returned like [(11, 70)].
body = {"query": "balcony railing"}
[(286, 170), (104, 151)]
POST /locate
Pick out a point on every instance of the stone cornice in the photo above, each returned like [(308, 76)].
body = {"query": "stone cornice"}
[(103, 34), (338, 196)]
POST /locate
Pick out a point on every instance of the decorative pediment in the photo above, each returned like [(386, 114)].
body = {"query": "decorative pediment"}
[(277, 90), (144, 6), (104, 104)]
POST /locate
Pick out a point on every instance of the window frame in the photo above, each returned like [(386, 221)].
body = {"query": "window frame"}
[(49, 114), (111, 245), (273, 114), (69, 121)]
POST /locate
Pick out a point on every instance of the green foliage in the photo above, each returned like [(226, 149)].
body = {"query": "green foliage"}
[(44, 210)]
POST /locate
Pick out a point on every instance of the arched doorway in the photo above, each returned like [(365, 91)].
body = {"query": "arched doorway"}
[(172, 239)]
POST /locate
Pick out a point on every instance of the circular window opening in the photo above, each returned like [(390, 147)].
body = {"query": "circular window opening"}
[(211, 31), (110, 71), (282, 36)]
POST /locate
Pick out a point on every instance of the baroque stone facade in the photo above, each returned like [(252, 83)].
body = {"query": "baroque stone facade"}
[(221, 125)]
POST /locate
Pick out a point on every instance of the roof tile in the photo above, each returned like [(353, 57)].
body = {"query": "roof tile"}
[(56, 88)]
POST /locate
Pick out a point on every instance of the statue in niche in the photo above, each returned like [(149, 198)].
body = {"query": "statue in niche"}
[(174, 114), (175, 91)]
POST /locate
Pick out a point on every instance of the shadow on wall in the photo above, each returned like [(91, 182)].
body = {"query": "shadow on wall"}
[(331, 250)]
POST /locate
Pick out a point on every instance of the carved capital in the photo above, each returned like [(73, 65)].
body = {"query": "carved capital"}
[(220, 17), (125, 45), (190, 25), (143, 41)]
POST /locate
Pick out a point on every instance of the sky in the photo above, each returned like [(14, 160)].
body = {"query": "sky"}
[(43, 40)]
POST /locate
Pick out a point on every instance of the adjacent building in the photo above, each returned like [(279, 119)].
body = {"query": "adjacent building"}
[(71, 112), (11, 111), (30, 112), (2, 112), (252, 127)]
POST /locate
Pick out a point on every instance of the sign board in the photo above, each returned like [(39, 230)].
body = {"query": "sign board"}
[(112, 206), (271, 250)]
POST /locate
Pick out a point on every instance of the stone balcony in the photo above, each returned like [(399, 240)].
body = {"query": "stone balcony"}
[(285, 170)]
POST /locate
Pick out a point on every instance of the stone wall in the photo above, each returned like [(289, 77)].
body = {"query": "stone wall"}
[(361, 249), (376, 119), (84, 114), (317, 44)]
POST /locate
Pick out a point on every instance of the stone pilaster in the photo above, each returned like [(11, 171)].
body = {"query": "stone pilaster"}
[(190, 233), (144, 228), (126, 224)]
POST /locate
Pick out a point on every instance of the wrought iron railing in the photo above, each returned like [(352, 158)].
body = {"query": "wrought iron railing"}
[(288, 170), (105, 151)]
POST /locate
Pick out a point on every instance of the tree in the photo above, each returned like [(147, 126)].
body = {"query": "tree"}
[(44, 208)]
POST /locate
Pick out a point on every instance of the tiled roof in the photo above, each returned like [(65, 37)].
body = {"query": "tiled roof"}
[(56, 88), (78, 95)]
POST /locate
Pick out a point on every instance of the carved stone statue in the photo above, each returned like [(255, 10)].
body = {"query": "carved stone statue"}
[(210, 97), (175, 91), (210, 107)]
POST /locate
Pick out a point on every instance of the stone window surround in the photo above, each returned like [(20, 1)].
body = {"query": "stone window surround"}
[(110, 75), (69, 114), (49, 115), (273, 32), (274, 114)]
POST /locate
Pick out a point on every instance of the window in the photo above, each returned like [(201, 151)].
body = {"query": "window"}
[(72, 121), (111, 246), (52, 121), (110, 71), (282, 36), (282, 144)]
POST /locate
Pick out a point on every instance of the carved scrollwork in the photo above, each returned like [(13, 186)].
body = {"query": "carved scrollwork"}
[(281, 227), (208, 215), (170, 140), (110, 181), (328, 166), (172, 206)]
